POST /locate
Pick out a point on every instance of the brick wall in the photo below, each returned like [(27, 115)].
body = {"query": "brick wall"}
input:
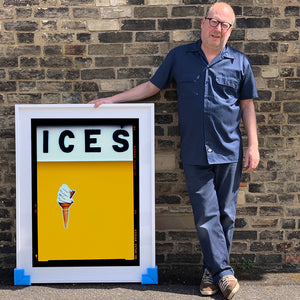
[(72, 51)]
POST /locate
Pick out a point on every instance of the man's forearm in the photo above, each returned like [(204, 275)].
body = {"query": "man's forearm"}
[(249, 120), (139, 92)]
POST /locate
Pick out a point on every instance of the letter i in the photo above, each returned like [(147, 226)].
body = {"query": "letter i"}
[(45, 141)]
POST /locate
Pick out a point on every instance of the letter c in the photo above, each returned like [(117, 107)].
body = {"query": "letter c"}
[(61, 141)]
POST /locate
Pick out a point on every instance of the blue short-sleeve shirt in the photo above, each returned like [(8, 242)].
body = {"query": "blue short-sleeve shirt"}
[(209, 96)]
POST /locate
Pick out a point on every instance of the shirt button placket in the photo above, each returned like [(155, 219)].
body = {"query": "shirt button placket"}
[(206, 110)]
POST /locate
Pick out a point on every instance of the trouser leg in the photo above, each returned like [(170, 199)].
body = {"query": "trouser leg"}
[(213, 192)]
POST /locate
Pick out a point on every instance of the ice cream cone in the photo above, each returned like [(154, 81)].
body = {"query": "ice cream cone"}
[(65, 211)]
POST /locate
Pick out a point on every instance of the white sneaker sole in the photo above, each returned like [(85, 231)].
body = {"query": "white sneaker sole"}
[(208, 293), (234, 291)]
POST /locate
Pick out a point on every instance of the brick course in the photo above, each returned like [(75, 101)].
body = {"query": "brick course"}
[(73, 51)]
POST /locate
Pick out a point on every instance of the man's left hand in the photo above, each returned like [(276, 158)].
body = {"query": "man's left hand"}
[(251, 159)]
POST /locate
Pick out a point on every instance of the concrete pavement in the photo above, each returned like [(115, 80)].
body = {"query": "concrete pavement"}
[(279, 286)]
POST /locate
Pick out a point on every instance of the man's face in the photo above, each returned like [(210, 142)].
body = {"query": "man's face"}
[(215, 38)]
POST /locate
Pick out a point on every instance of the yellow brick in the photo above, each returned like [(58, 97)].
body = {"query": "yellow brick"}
[(165, 161), (115, 85), (175, 221), (102, 3), (183, 35), (241, 198), (118, 2), (163, 2), (116, 12), (269, 72), (255, 35), (97, 25)]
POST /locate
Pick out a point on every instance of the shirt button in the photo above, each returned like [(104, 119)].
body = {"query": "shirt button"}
[(209, 150)]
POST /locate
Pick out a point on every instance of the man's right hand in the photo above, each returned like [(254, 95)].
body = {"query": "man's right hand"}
[(100, 101)]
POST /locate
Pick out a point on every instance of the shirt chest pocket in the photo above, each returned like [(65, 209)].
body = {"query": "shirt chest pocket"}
[(228, 82), (188, 86), (227, 88)]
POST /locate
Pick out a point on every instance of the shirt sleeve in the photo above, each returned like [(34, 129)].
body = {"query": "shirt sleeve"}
[(164, 74), (248, 89)]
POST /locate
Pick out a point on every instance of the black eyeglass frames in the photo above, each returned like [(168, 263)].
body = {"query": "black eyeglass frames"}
[(214, 23)]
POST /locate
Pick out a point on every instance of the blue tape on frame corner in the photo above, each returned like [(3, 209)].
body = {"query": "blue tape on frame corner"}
[(151, 277), (20, 278)]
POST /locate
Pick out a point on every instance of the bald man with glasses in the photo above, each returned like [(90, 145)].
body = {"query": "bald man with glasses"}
[(215, 88)]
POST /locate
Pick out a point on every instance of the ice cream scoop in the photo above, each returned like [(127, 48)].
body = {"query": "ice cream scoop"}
[(64, 199), (65, 194)]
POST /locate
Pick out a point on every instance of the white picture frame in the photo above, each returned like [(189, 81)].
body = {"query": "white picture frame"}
[(26, 272)]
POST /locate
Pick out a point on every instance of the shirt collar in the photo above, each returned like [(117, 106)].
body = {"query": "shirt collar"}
[(225, 53)]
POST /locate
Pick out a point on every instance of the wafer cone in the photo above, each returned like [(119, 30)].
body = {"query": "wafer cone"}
[(65, 211)]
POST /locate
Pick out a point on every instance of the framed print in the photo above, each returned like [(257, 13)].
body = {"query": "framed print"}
[(85, 193)]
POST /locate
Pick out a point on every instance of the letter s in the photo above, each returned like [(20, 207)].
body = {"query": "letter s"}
[(116, 138)]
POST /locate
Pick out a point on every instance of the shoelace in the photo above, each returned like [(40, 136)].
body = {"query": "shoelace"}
[(207, 277), (224, 282)]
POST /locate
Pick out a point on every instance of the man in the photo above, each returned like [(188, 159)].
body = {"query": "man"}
[(215, 88)]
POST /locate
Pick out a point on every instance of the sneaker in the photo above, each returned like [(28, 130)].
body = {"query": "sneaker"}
[(229, 286), (207, 286)]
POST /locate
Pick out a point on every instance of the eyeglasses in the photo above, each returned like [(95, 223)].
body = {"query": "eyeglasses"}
[(214, 23)]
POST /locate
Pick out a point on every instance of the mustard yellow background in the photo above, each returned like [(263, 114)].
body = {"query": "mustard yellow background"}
[(101, 219)]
